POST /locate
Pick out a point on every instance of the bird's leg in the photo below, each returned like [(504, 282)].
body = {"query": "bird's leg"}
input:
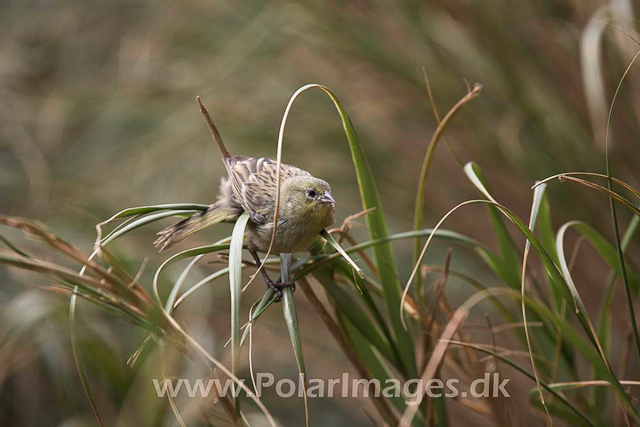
[(276, 286)]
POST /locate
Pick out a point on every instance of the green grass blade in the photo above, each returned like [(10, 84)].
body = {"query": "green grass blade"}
[(148, 219), (605, 249), (264, 303), (378, 229), (143, 210), (604, 319), (200, 250), (614, 219), (357, 316), (173, 295), (291, 319), (510, 253), (235, 288), (341, 251), (13, 247), (371, 360)]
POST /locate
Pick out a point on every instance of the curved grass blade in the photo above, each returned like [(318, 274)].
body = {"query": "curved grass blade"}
[(418, 213), (341, 251), (600, 244), (137, 223), (510, 262), (264, 303), (378, 229), (13, 247), (182, 255), (563, 175), (535, 208), (291, 319), (170, 304), (143, 210), (612, 194)]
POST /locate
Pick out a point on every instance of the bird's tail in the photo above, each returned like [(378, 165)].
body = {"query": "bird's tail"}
[(214, 214)]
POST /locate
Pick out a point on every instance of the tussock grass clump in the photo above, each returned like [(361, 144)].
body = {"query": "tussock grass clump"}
[(388, 326)]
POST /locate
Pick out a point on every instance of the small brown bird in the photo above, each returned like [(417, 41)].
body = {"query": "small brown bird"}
[(306, 206)]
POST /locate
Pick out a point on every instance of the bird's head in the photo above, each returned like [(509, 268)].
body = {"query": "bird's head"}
[(310, 197)]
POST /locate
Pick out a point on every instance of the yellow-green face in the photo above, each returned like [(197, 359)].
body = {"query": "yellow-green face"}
[(308, 195)]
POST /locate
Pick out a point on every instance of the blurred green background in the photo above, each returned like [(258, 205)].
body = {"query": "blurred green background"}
[(98, 113)]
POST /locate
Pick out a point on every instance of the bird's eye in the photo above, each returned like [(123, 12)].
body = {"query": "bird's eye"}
[(311, 193)]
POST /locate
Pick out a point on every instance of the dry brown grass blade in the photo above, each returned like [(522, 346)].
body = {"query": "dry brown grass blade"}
[(426, 165), (602, 189), (458, 318), (599, 175)]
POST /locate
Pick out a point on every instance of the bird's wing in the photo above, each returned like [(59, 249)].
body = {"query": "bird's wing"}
[(254, 184)]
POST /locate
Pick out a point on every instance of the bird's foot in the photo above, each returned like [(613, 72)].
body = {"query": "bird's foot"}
[(277, 287)]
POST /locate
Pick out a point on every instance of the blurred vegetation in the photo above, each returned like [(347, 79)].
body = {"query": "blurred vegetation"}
[(98, 114)]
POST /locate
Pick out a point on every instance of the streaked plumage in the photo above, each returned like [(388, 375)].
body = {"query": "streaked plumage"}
[(306, 206)]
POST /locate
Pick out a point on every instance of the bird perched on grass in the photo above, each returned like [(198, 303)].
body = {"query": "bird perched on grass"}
[(306, 206)]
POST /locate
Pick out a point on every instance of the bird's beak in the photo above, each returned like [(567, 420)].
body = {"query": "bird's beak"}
[(326, 197)]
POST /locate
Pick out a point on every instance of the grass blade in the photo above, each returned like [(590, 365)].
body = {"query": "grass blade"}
[(510, 263), (291, 319), (341, 251), (235, 288), (148, 219), (378, 229), (418, 215)]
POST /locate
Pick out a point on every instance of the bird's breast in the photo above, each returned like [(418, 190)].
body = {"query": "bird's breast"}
[(293, 234)]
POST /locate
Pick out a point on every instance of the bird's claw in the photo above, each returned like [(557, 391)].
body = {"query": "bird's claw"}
[(277, 287)]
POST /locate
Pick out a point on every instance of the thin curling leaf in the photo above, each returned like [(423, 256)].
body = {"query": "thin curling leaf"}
[(77, 356), (291, 319), (235, 287), (341, 251), (377, 230)]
